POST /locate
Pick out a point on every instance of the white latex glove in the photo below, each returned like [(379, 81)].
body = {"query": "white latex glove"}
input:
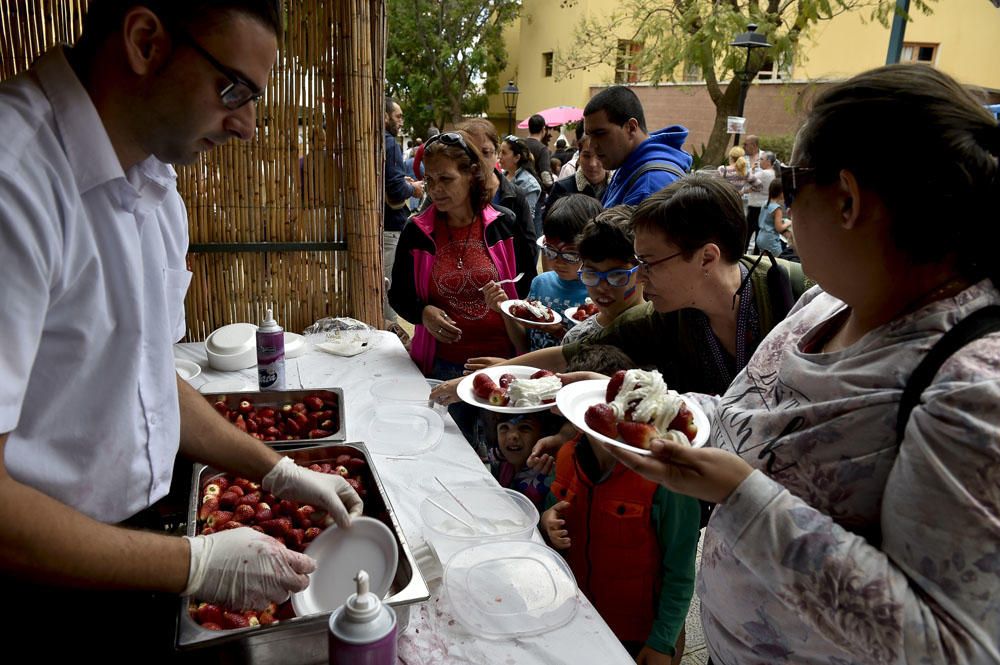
[(245, 569), (325, 491)]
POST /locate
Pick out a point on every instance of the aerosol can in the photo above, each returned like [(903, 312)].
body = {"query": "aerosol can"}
[(363, 630), (270, 354)]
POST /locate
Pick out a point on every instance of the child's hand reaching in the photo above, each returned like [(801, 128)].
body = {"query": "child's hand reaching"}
[(553, 523)]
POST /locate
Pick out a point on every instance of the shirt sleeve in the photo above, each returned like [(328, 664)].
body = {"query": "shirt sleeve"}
[(402, 290), (397, 189), (676, 519), (929, 594)]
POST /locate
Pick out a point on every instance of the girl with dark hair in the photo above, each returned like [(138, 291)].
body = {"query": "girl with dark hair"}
[(856, 459), (519, 166), (446, 254)]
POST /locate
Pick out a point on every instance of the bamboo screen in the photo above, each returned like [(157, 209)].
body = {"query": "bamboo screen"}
[(294, 216)]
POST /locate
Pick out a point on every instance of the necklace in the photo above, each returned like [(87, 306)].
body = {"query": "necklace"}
[(465, 241)]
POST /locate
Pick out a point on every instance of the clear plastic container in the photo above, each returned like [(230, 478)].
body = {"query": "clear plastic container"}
[(402, 429), (497, 514)]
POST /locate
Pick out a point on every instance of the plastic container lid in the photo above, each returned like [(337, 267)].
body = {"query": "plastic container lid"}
[(295, 345), (403, 429), (403, 390), (232, 339), (510, 589)]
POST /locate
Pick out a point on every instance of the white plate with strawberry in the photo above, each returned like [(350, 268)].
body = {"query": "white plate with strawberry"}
[(530, 312), (588, 405), (500, 387), (580, 314)]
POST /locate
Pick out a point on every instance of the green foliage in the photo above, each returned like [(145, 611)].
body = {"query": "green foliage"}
[(440, 52), (780, 145)]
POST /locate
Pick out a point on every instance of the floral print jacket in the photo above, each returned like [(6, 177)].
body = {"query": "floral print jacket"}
[(843, 547)]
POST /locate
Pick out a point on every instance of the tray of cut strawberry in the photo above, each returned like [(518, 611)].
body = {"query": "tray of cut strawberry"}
[(530, 312), (510, 389), (220, 502), (285, 418), (631, 409), (577, 314)]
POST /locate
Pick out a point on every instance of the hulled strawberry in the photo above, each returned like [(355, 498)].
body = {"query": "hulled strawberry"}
[(218, 518), (499, 397), (483, 386), (637, 434), (614, 385), (601, 418), (209, 613), (208, 506)]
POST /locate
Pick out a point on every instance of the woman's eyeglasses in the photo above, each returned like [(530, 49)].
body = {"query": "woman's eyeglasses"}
[(617, 277), (648, 265), (452, 138), (239, 92), (793, 177), (551, 253)]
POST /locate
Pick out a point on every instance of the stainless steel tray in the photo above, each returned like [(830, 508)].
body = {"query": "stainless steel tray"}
[(302, 639), (276, 398)]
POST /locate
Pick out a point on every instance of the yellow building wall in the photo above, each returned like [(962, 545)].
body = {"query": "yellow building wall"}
[(967, 32)]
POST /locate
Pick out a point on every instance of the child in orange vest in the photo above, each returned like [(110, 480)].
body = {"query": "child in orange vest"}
[(630, 543)]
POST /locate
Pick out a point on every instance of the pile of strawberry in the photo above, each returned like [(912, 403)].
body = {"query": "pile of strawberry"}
[(233, 503), (585, 311), (602, 419), (520, 309), (315, 417), (485, 388)]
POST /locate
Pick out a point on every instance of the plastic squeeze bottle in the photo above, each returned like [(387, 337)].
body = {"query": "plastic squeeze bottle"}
[(270, 354), (363, 630)]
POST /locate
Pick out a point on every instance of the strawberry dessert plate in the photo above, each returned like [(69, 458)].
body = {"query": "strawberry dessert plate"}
[(510, 389), (530, 312)]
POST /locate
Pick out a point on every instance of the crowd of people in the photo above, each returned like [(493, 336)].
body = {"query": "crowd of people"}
[(850, 481)]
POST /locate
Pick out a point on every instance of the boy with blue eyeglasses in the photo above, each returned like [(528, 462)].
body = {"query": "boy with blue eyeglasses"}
[(608, 271)]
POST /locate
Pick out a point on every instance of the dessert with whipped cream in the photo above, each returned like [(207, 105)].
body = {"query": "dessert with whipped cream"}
[(531, 310), (532, 392), (639, 407)]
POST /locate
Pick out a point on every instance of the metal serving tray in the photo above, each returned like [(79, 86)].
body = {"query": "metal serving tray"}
[(302, 639), (276, 398)]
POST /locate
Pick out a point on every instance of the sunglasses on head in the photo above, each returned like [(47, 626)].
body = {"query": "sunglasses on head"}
[(452, 139), (616, 277), (793, 177), (569, 256)]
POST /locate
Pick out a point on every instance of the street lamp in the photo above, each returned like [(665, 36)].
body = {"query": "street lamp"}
[(510, 94), (748, 40)]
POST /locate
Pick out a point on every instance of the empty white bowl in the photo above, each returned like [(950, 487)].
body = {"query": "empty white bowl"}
[(232, 347)]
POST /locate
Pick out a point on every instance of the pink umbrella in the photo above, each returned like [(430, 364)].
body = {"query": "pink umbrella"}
[(557, 115)]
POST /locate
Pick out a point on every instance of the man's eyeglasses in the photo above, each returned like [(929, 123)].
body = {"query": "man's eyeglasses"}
[(239, 92), (793, 177), (648, 265), (617, 277), (551, 253), (452, 138)]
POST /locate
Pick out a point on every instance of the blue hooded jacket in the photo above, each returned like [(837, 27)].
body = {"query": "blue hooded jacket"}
[(662, 146)]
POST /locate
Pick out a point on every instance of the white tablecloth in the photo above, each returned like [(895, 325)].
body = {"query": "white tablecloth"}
[(432, 636)]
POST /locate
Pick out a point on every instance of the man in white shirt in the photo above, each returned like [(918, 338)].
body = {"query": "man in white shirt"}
[(93, 236)]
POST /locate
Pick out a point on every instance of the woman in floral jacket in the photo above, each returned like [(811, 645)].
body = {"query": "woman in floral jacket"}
[(841, 536)]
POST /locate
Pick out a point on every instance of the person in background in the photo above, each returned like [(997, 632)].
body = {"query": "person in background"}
[(554, 165), (538, 145), (446, 254), (736, 172), (590, 177), (516, 436), (756, 189), (858, 507), (563, 152), (644, 163), (399, 189), (752, 151), (507, 195), (630, 542), (773, 223), (93, 237), (518, 165), (608, 270)]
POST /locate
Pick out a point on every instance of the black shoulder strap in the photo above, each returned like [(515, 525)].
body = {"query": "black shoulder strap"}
[(669, 167), (978, 324)]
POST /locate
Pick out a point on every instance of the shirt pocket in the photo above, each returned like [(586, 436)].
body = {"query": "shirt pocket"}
[(176, 283)]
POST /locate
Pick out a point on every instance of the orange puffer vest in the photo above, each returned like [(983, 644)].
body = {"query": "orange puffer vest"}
[(615, 553)]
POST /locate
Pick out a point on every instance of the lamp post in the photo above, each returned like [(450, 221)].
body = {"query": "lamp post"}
[(748, 40), (510, 94)]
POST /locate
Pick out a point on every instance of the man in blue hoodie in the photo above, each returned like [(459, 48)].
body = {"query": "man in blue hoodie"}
[(644, 163)]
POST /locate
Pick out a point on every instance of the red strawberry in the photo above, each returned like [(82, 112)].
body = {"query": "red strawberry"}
[(342, 460), (342, 471), (231, 525), (209, 613), (207, 531), (251, 499), (636, 434), (264, 513), (219, 481), (356, 463), (601, 418), (211, 626), (218, 518), (237, 490), (245, 406), (221, 407), (228, 500), (506, 380), (483, 386), (614, 385), (313, 403), (266, 412), (499, 397), (542, 373), (318, 434), (311, 533), (272, 432), (295, 538), (302, 516), (208, 506), (292, 427), (233, 620), (267, 618), (240, 423), (315, 467), (245, 484), (277, 527), (244, 512), (257, 528), (328, 424), (286, 507), (299, 407), (285, 611), (684, 422), (358, 487), (286, 409)]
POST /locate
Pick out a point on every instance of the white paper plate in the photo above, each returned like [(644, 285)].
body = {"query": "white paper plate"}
[(508, 589), (227, 386), (569, 316), (402, 429), (295, 345), (574, 399), (466, 394), (187, 369), (505, 308), (367, 545)]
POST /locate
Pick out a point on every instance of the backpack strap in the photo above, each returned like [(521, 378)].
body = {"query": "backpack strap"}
[(980, 323), (669, 167)]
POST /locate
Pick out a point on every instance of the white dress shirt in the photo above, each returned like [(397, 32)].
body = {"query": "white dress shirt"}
[(92, 285)]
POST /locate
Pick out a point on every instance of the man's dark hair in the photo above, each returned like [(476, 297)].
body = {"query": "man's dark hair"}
[(536, 123), (602, 358), (619, 104), (608, 236), (561, 144), (567, 216), (389, 103), (104, 17), (696, 210)]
